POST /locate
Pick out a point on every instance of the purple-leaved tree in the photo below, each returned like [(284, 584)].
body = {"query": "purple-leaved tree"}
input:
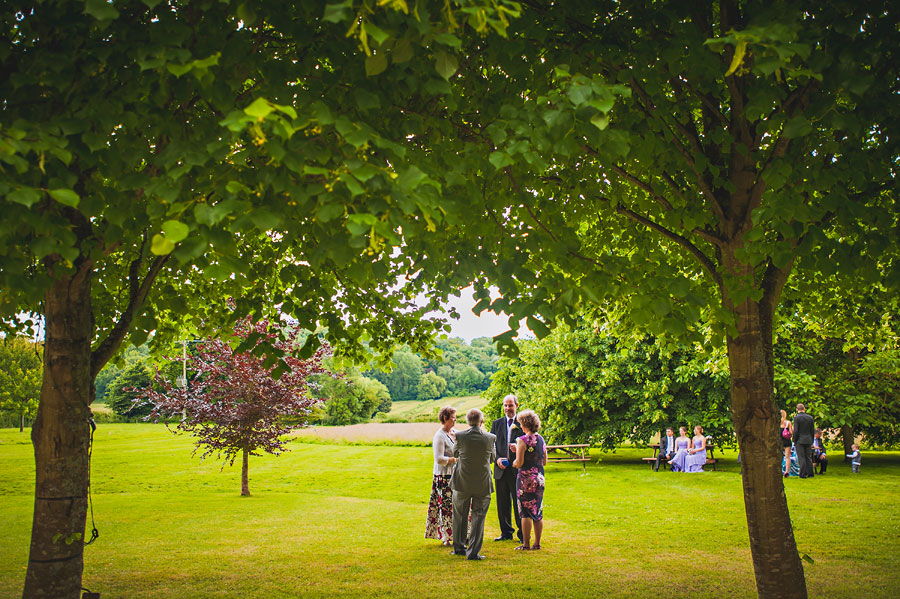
[(233, 405)]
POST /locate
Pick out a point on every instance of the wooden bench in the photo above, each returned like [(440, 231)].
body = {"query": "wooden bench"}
[(569, 453), (710, 459)]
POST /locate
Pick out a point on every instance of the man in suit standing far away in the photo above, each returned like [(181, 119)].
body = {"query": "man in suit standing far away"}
[(804, 429), (471, 484), (507, 430)]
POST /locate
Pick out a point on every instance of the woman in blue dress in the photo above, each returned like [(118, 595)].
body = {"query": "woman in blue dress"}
[(682, 444), (531, 457), (696, 458)]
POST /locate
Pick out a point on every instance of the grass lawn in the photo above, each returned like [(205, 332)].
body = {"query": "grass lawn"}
[(414, 410), (348, 521)]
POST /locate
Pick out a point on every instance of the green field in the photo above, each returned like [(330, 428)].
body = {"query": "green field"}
[(426, 410), (348, 520)]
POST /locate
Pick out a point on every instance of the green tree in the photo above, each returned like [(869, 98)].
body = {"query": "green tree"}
[(20, 377), (403, 379), (351, 398), (468, 379), (853, 390), (590, 388), (115, 366), (430, 386), (161, 158), (676, 163), (128, 386)]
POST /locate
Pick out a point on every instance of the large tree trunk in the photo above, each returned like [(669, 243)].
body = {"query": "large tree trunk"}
[(245, 478), (61, 436), (776, 562), (847, 436)]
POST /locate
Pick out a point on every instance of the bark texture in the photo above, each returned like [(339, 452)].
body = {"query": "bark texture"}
[(245, 476), (847, 436), (61, 437), (776, 562)]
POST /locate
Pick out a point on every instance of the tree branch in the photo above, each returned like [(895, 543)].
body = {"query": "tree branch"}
[(705, 190), (684, 242), (137, 293)]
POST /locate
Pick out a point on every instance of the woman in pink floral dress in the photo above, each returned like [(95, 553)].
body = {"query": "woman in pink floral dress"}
[(531, 457)]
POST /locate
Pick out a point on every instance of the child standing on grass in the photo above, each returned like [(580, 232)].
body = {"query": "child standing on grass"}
[(855, 458)]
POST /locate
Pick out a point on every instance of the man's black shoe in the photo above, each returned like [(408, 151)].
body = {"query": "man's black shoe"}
[(454, 552), (502, 538), (477, 557)]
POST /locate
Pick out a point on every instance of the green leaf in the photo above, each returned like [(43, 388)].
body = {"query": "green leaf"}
[(100, 10), (179, 69), (740, 50), (246, 13), (500, 159), (446, 64), (288, 110), (266, 220), (600, 121), (336, 12), (161, 246), (329, 212), (360, 224), (402, 51), (26, 196), (260, 108), (448, 39), (579, 94), (377, 33), (796, 127), (217, 272), (411, 178), (540, 329), (376, 64), (175, 231), (674, 326)]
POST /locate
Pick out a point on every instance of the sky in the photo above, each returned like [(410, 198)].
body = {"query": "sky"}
[(469, 326)]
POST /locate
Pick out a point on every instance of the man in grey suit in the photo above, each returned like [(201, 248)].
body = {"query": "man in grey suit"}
[(472, 484), (804, 429)]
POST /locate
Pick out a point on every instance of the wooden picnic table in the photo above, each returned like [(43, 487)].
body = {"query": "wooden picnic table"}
[(569, 453), (710, 459)]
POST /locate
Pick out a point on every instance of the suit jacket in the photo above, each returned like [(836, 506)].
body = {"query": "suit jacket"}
[(472, 472), (804, 429), (663, 444), (501, 444)]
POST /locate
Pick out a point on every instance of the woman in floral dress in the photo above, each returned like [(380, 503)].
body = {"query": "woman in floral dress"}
[(531, 457), (439, 523)]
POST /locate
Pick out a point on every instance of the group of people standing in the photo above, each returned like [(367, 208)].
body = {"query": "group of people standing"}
[(684, 454), (803, 446), (463, 480)]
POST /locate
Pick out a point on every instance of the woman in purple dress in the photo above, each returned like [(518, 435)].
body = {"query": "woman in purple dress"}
[(531, 457), (682, 444), (696, 458)]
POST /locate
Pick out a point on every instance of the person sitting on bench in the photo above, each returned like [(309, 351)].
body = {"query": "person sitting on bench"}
[(666, 448), (819, 457)]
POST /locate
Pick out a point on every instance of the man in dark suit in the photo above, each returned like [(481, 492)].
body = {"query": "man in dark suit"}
[(666, 448), (472, 484), (507, 430), (804, 429)]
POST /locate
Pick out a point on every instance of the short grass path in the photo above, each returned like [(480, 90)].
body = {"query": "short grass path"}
[(348, 520)]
